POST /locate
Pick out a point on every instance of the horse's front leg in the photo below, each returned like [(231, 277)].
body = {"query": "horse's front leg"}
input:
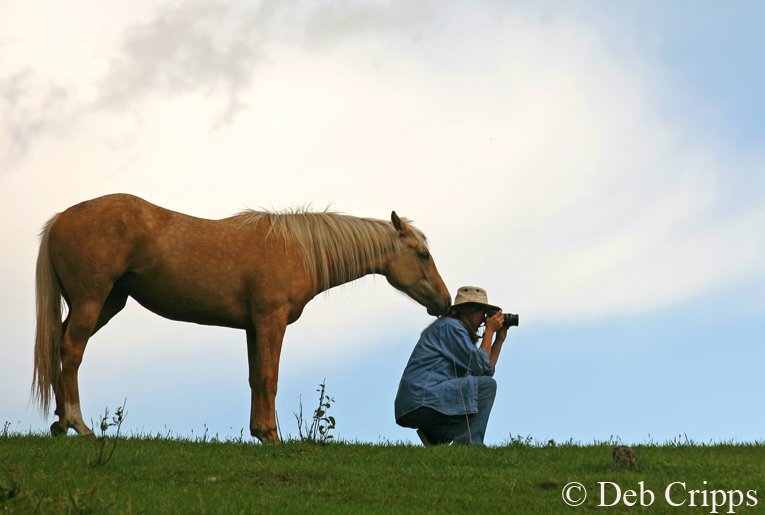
[(264, 345)]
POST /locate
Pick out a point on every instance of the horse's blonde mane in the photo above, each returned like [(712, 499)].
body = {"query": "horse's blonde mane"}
[(335, 248)]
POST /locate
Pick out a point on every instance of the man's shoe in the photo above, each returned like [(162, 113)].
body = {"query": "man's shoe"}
[(423, 438)]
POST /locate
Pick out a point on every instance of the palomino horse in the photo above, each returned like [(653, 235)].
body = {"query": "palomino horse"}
[(254, 271)]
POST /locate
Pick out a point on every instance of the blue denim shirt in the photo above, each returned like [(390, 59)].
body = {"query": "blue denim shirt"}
[(442, 371)]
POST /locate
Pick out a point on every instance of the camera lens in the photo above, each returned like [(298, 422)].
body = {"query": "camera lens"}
[(510, 320)]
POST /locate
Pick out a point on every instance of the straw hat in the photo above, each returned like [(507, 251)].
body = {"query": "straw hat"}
[(472, 295)]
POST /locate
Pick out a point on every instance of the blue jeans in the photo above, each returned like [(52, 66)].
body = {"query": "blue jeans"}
[(465, 429)]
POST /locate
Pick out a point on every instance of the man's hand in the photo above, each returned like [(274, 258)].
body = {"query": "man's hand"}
[(494, 322)]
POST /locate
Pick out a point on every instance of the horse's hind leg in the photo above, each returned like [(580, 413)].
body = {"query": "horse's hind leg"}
[(66, 388), (59, 427), (83, 319)]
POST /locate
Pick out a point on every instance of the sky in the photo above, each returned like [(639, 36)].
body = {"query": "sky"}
[(597, 166)]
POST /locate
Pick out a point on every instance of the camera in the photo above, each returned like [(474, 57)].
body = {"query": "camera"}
[(510, 319)]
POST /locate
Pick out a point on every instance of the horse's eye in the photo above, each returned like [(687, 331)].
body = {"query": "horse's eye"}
[(424, 255)]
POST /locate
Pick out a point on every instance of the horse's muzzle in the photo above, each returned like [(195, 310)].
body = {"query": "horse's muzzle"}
[(440, 310)]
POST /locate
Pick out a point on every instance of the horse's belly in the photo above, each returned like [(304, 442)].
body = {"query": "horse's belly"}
[(189, 303)]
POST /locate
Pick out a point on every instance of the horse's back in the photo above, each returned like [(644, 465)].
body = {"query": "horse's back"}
[(114, 211)]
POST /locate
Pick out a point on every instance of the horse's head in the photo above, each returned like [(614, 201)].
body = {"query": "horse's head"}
[(412, 270)]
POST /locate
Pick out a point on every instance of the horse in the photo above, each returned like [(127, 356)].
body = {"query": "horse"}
[(255, 271)]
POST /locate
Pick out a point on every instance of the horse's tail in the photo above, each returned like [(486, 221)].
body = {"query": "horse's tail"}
[(48, 333)]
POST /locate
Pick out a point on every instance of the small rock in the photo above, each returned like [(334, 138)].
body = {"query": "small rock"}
[(625, 457)]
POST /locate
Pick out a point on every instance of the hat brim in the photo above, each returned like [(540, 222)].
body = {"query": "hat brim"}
[(469, 302)]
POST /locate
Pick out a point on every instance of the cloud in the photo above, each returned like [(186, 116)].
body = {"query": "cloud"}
[(328, 23), (27, 108), (190, 47), (214, 47), (201, 48)]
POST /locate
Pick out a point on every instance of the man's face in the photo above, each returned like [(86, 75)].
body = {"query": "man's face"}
[(477, 316)]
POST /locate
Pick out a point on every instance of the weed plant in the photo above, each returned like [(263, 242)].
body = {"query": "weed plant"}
[(322, 424), (102, 440)]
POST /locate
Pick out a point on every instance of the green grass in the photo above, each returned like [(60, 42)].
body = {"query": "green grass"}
[(160, 475)]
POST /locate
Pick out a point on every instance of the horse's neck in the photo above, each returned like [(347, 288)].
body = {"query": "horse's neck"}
[(377, 266), (369, 268)]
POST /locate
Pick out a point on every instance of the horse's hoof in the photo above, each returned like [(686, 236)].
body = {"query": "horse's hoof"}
[(82, 430), (56, 429), (265, 436)]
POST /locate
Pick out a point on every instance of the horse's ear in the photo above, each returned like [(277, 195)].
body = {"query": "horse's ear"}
[(397, 223)]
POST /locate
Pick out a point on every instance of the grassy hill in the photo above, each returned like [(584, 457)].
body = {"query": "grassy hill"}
[(159, 475)]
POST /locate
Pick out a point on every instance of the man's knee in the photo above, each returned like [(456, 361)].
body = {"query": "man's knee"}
[(487, 384)]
